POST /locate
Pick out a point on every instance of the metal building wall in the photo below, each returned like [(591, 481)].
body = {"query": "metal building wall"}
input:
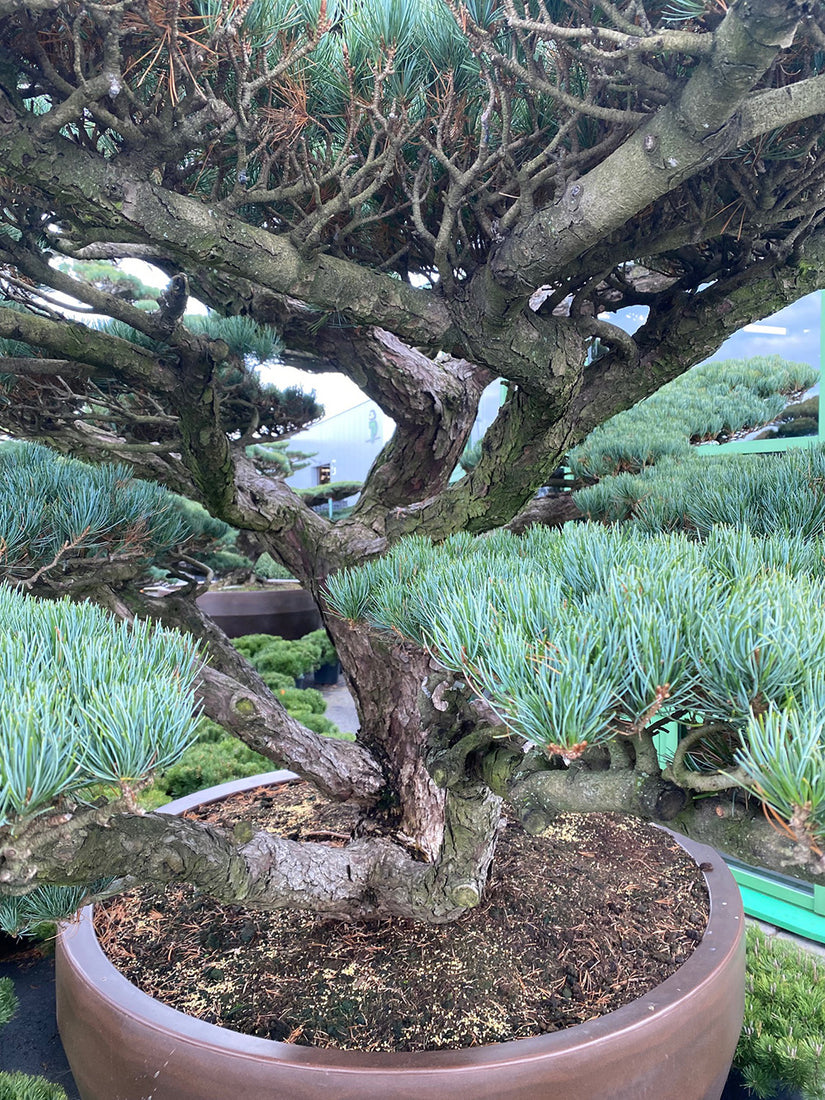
[(350, 441)]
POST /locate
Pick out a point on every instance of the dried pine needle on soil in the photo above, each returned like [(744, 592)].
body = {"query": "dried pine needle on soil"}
[(574, 924)]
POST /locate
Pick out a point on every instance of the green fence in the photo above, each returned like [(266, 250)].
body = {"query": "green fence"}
[(787, 902)]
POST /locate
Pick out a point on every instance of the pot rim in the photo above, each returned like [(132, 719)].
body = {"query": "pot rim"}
[(274, 591), (721, 941)]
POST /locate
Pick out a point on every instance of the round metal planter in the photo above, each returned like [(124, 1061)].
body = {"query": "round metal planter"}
[(288, 612), (675, 1042)]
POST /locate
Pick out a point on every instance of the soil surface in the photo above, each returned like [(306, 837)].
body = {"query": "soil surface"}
[(595, 913)]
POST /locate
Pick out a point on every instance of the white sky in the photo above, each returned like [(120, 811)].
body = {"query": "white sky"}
[(335, 392)]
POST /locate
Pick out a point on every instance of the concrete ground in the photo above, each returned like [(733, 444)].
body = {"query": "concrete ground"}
[(340, 707), (30, 1042), (780, 934)]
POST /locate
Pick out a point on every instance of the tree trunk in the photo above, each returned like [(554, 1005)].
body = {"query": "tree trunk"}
[(385, 677)]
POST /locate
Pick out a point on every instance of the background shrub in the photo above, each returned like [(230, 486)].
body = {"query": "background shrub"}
[(707, 402), (267, 569), (20, 1086), (269, 653), (782, 1045), (206, 765)]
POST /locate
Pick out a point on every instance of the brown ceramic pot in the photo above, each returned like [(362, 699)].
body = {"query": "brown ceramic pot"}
[(288, 612), (675, 1042)]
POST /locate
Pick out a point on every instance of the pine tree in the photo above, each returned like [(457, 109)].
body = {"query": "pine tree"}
[(425, 196)]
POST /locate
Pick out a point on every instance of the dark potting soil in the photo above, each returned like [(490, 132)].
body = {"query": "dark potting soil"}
[(592, 915)]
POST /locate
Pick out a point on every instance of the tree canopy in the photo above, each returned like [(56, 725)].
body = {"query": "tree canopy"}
[(425, 195)]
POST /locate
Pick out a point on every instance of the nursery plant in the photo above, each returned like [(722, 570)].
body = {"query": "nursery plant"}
[(782, 1045), (764, 494), (710, 401), (428, 196)]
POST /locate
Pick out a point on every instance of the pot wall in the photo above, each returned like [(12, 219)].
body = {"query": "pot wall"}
[(677, 1042), (328, 674), (290, 613)]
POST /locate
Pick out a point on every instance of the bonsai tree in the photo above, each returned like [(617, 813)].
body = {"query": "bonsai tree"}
[(426, 196), (548, 664)]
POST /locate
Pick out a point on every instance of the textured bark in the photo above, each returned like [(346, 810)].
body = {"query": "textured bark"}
[(112, 204), (678, 141), (434, 405), (340, 769), (10, 7), (232, 694), (520, 451), (294, 534), (793, 102), (370, 877), (385, 678), (728, 824), (553, 510), (95, 349)]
